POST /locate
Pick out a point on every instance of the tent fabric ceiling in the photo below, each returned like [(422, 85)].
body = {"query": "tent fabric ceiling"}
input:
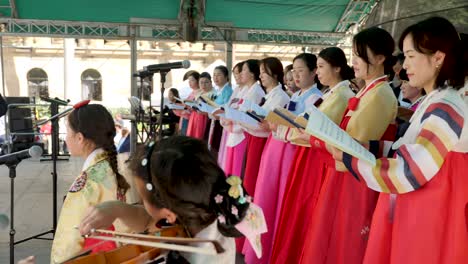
[(299, 15), (110, 11), (303, 15)]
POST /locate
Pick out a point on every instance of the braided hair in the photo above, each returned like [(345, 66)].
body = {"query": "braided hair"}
[(185, 178), (96, 124)]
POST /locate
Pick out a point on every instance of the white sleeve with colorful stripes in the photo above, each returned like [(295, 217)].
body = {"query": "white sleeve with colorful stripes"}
[(417, 163)]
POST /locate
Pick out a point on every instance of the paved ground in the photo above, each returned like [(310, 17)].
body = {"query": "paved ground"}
[(33, 204)]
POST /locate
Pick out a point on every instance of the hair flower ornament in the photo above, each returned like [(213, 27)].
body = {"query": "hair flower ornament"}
[(236, 190)]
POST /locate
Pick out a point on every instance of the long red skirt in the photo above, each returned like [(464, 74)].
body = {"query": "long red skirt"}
[(429, 225), (302, 189), (341, 221), (253, 157), (197, 125)]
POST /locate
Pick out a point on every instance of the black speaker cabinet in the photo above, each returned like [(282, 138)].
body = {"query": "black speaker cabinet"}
[(21, 119)]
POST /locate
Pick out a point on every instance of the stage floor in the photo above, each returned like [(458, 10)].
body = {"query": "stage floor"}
[(33, 204)]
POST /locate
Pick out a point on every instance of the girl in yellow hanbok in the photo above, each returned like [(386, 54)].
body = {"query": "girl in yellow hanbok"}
[(90, 134)]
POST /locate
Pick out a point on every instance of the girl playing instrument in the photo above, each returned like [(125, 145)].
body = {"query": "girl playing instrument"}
[(180, 181)]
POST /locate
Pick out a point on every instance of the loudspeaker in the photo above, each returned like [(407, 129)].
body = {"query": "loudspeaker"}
[(20, 119)]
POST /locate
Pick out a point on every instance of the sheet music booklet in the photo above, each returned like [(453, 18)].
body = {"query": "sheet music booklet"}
[(321, 127), (281, 116)]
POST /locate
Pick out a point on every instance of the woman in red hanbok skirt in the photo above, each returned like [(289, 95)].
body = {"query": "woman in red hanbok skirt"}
[(198, 120), (423, 217), (275, 158), (306, 177), (344, 207)]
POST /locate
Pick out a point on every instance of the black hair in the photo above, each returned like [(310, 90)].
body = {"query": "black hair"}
[(254, 68), (400, 57), (238, 66), (187, 74), (174, 92), (310, 61), (192, 73), (205, 75), (224, 70), (404, 77), (96, 124), (438, 34), (380, 42), (464, 44), (274, 68), (336, 58), (186, 179)]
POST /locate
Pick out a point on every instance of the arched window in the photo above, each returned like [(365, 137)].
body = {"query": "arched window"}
[(91, 85), (38, 83)]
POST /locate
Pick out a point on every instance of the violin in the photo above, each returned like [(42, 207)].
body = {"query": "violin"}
[(142, 248), (128, 254)]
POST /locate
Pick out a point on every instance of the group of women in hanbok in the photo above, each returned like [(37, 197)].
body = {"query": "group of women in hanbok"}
[(325, 206), (321, 205)]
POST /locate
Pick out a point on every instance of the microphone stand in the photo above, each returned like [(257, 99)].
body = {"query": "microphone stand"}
[(151, 133), (54, 107), (161, 114), (12, 172)]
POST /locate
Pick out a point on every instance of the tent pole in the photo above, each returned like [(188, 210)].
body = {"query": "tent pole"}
[(133, 92), (229, 53), (3, 66), (395, 16)]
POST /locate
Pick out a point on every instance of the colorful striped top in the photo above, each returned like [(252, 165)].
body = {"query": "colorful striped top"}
[(438, 126)]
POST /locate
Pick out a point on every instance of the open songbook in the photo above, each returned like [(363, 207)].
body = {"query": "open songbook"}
[(281, 116), (259, 118), (175, 106), (191, 104), (321, 127), (178, 99), (208, 101), (240, 117)]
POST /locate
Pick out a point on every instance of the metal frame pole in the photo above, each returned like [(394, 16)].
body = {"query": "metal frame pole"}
[(134, 88)]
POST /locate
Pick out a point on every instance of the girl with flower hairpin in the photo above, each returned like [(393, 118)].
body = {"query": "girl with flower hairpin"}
[(180, 181)]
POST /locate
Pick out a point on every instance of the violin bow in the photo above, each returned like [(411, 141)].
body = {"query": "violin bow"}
[(160, 245), (160, 241)]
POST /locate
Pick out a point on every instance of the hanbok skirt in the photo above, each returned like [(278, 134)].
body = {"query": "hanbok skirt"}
[(271, 182)]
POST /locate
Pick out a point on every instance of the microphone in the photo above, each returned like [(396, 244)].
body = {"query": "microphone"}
[(55, 100), (162, 67), (12, 158)]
